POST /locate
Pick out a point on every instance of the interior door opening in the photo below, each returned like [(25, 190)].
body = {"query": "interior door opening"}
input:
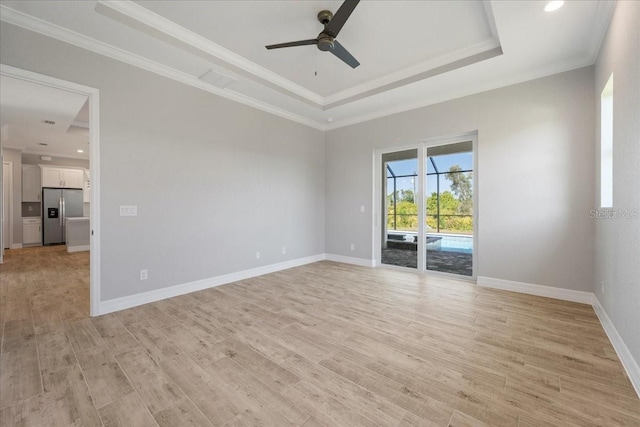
[(75, 211)]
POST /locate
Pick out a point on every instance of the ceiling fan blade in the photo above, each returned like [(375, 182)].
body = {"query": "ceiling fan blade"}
[(292, 44), (342, 53), (340, 17)]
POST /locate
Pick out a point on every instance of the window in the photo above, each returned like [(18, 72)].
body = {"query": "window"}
[(606, 145)]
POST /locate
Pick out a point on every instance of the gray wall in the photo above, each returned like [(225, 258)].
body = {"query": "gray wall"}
[(34, 159), (618, 240), (10, 155), (214, 181), (535, 175)]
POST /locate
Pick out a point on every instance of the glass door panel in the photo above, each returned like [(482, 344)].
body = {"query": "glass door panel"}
[(449, 208), (400, 206)]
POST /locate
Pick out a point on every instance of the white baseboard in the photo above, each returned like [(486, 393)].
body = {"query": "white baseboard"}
[(78, 248), (350, 260), (122, 303), (628, 362), (539, 290), (16, 246)]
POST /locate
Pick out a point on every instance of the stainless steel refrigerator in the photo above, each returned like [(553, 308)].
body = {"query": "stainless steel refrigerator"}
[(58, 204)]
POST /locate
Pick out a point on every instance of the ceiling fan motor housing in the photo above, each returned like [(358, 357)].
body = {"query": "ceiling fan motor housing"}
[(325, 42)]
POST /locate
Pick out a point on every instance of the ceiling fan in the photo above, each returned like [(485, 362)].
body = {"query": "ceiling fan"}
[(326, 40)]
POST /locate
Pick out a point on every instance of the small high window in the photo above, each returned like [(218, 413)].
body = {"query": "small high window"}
[(606, 145)]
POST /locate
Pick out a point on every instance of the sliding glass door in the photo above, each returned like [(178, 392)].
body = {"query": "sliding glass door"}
[(427, 205)]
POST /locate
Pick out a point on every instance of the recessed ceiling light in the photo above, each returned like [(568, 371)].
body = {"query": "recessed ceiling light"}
[(553, 5), (80, 151)]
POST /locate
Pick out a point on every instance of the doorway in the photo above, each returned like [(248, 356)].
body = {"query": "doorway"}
[(427, 199), (92, 96), (7, 205)]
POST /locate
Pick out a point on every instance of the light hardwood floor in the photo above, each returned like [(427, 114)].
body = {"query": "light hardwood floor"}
[(326, 344)]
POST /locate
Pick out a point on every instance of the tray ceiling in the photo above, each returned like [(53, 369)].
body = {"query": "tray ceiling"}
[(412, 53)]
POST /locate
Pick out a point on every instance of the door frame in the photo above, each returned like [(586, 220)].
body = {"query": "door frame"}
[(10, 207), (421, 146), (94, 165)]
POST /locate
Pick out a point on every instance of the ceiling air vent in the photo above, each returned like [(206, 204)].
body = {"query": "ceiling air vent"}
[(49, 122), (43, 144), (218, 79)]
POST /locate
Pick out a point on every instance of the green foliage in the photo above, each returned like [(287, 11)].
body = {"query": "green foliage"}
[(458, 201), (448, 203), (451, 224), (462, 187), (407, 196)]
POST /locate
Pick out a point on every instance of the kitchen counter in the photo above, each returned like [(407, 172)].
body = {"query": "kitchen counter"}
[(78, 234)]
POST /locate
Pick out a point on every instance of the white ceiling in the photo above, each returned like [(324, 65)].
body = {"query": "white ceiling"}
[(412, 53), (24, 106)]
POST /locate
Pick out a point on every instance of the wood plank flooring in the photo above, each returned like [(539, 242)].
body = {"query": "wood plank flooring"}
[(325, 344)]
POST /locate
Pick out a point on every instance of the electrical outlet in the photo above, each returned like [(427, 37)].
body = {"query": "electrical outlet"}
[(257, 255), (602, 286), (144, 274), (362, 208), (284, 250), (353, 246)]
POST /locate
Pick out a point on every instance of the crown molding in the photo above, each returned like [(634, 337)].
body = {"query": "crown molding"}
[(37, 25), (604, 12), (461, 58), (556, 69), (141, 18), (415, 72)]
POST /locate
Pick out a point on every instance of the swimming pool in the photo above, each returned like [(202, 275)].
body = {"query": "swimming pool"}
[(449, 243)]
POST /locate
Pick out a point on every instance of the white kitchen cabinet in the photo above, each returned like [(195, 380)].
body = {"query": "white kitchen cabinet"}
[(74, 178), (62, 177), (31, 183), (51, 177), (31, 231)]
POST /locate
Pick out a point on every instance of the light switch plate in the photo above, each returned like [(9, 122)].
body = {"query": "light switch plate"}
[(128, 210)]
